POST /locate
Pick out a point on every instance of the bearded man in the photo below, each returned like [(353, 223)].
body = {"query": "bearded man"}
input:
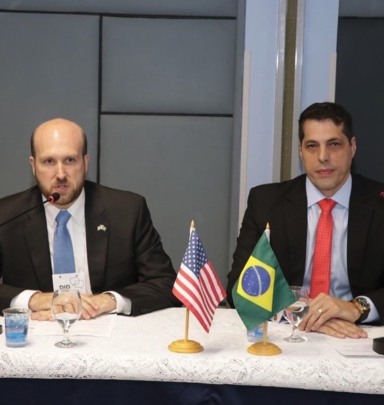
[(118, 262)]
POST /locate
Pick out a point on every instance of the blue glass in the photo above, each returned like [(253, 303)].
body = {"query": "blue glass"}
[(255, 334), (16, 326)]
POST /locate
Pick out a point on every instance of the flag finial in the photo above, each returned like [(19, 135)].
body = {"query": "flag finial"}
[(267, 226), (192, 224)]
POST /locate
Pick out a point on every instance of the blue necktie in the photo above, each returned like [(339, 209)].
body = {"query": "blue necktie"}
[(63, 258)]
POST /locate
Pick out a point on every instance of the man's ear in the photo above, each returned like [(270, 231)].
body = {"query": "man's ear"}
[(32, 162), (353, 146), (86, 162)]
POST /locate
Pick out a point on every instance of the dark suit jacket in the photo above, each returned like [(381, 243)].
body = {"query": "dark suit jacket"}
[(284, 207), (127, 258)]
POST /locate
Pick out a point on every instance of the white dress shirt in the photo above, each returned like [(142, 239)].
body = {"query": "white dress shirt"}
[(339, 275), (76, 228)]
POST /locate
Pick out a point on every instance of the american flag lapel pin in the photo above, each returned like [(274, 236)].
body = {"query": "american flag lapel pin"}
[(101, 228)]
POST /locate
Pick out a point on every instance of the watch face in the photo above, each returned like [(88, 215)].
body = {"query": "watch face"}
[(364, 304)]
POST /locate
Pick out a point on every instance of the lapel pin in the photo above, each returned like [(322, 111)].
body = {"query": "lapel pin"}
[(101, 228)]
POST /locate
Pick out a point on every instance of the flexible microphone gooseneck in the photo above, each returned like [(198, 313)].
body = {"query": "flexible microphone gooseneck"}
[(52, 198)]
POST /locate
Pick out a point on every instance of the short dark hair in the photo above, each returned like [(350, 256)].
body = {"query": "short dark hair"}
[(85, 143), (327, 111)]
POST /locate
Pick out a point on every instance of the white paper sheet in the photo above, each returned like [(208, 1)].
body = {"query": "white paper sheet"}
[(358, 347)]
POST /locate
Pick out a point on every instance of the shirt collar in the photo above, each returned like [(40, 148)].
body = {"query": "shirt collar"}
[(341, 196), (76, 210)]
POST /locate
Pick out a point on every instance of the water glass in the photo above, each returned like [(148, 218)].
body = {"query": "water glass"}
[(16, 322), (296, 312)]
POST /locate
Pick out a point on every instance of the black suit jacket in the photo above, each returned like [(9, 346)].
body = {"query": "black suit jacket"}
[(127, 258), (284, 207)]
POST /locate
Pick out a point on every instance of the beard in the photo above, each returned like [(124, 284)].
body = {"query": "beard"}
[(66, 199)]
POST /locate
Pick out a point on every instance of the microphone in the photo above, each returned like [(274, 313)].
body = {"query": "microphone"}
[(52, 198)]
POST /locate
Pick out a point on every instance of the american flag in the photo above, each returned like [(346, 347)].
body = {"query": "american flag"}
[(197, 285)]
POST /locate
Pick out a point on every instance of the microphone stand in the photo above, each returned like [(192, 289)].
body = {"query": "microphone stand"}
[(52, 198)]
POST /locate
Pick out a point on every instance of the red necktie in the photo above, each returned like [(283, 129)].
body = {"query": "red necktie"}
[(321, 270)]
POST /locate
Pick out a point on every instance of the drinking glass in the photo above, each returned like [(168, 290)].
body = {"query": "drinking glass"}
[(296, 312), (16, 326), (66, 310)]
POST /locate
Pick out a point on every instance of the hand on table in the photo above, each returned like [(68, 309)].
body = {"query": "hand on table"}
[(95, 305), (333, 317), (341, 329), (45, 315), (92, 306), (40, 303)]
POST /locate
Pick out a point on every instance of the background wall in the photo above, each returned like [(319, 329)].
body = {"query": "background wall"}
[(158, 88), (154, 86), (360, 84), (317, 83)]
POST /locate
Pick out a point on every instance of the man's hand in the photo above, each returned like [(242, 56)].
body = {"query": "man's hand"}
[(342, 329), (95, 305), (42, 315), (40, 302), (323, 309), (92, 306)]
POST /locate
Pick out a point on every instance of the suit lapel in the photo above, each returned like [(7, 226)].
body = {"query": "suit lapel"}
[(36, 237), (97, 231), (296, 218), (359, 219)]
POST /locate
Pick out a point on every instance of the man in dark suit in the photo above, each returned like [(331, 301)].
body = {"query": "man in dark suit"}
[(356, 293), (120, 261)]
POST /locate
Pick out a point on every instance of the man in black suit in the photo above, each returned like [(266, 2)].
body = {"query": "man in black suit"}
[(327, 147), (120, 262)]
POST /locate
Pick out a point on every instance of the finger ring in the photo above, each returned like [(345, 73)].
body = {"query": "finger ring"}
[(319, 310)]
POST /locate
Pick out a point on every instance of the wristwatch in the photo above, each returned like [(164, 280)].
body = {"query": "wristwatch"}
[(363, 306)]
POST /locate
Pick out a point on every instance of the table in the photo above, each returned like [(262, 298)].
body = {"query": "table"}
[(135, 363)]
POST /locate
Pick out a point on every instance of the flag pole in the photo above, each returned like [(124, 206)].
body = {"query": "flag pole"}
[(191, 228), (265, 332), (264, 348), (184, 345), (186, 324)]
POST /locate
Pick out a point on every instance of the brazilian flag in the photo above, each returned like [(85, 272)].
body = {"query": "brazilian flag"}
[(261, 290)]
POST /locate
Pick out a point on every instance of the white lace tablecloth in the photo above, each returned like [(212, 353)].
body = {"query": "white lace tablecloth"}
[(138, 350)]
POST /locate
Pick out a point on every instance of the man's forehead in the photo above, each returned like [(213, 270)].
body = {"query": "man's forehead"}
[(323, 130), (60, 147), (58, 137), (324, 137), (58, 154)]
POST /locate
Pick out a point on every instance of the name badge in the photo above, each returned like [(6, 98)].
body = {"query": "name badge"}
[(69, 280)]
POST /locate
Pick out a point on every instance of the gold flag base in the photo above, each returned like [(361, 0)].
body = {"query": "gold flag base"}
[(185, 346), (264, 349)]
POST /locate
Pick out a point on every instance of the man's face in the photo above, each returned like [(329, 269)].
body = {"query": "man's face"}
[(59, 165), (327, 155)]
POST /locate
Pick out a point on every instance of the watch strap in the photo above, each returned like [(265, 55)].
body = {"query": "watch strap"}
[(363, 317)]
